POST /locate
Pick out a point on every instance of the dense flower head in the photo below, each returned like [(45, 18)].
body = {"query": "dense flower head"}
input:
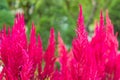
[(25, 59)]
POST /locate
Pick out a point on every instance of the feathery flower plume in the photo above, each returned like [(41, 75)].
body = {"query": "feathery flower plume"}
[(49, 57), (81, 51), (63, 57)]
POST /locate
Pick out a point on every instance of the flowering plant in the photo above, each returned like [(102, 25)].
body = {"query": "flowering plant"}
[(25, 59)]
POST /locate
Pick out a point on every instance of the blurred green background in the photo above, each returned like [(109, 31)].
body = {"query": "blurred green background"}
[(60, 14)]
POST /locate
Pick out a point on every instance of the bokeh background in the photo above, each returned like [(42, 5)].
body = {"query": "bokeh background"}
[(60, 14)]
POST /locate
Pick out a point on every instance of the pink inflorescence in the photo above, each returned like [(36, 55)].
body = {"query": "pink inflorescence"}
[(23, 59)]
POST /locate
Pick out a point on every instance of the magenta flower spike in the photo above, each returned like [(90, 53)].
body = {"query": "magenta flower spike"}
[(11, 50), (109, 25), (82, 53), (39, 57), (32, 44), (35, 51), (63, 57), (80, 42), (98, 47), (18, 31), (49, 57), (111, 46)]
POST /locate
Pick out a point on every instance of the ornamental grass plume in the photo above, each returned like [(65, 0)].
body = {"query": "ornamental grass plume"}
[(25, 59)]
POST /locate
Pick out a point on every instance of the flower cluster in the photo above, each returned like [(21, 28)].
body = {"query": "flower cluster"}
[(25, 59)]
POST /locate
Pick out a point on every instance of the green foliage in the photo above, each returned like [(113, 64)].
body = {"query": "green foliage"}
[(5, 15), (115, 16), (3, 4), (6, 18)]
